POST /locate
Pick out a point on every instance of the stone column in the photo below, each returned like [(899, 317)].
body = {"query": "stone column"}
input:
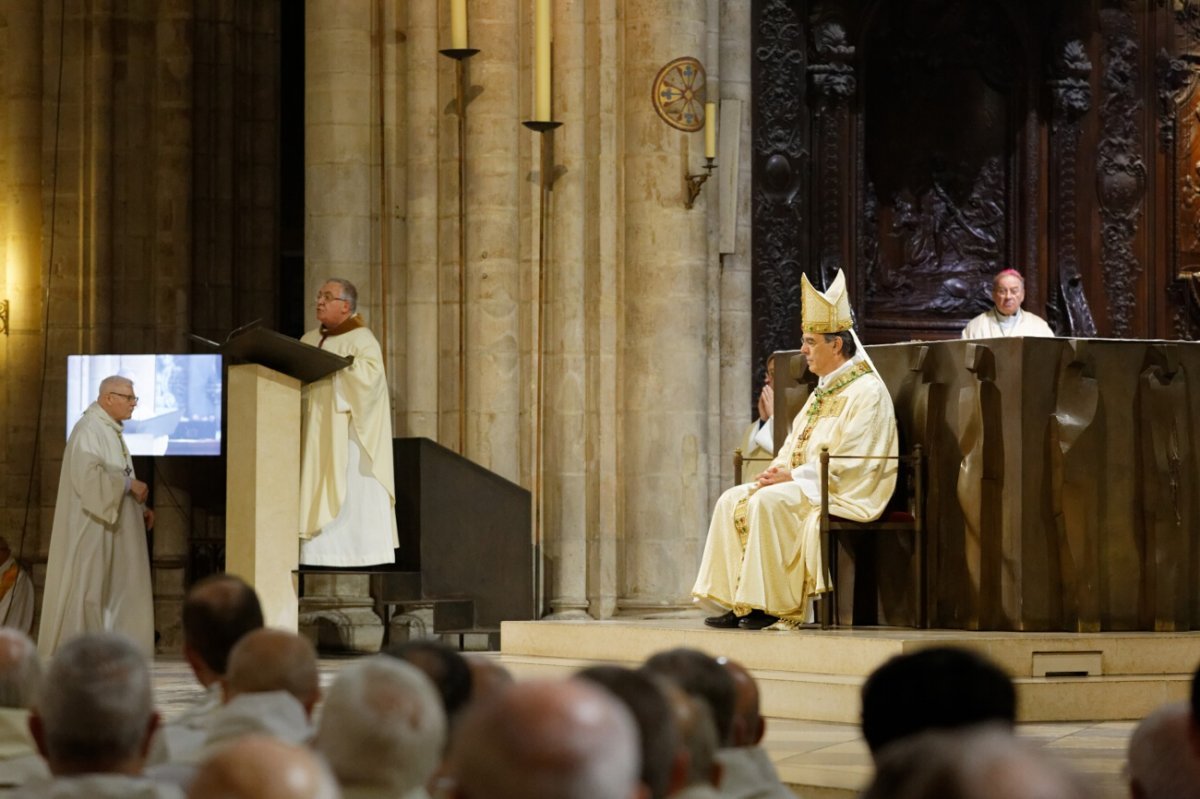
[(421, 332), (495, 333), (338, 92), (736, 346), (21, 253), (568, 508), (665, 374)]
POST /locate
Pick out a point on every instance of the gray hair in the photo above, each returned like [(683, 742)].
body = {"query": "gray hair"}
[(699, 737), (20, 669), (382, 725), (349, 292), (112, 383), (1162, 764), (95, 703)]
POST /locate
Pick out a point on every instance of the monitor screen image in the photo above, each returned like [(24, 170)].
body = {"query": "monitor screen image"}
[(179, 400)]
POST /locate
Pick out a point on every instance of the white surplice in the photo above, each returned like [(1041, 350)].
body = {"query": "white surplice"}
[(993, 324)]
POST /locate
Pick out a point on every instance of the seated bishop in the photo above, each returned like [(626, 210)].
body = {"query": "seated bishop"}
[(762, 559)]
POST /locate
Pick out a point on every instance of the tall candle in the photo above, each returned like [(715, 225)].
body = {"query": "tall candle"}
[(458, 24), (541, 61), (710, 130)]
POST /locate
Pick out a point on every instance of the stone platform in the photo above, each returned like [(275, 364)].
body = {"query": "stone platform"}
[(816, 675)]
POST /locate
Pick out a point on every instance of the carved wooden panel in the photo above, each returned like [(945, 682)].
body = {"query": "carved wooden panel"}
[(922, 145)]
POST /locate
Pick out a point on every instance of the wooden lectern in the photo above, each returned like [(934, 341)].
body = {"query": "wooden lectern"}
[(262, 516)]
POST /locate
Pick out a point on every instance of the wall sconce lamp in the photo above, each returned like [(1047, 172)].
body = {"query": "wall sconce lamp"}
[(4, 317), (695, 182)]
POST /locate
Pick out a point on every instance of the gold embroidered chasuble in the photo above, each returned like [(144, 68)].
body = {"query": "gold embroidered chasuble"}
[(763, 548)]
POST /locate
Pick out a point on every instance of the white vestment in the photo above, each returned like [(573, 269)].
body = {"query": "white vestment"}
[(178, 739), (98, 570), (97, 786), (763, 550), (993, 324), (347, 488), (16, 597)]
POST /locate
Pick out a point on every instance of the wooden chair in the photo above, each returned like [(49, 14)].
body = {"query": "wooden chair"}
[(905, 514)]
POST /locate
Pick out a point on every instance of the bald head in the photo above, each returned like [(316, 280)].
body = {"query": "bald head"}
[(1162, 764), (20, 669), (273, 660), (545, 740), (261, 767), (748, 725)]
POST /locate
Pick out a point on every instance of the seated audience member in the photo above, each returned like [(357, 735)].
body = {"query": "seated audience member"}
[(217, 612), (270, 688), (1006, 317), (262, 767), (487, 676), (1162, 764), (20, 680), (701, 676), (545, 740), (663, 771), (747, 771), (758, 443), (699, 736), (93, 721), (935, 688), (16, 592), (382, 730), (442, 664), (982, 762)]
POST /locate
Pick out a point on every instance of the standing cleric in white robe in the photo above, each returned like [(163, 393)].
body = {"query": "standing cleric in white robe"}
[(762, 558), (347, 488), (98, 569)]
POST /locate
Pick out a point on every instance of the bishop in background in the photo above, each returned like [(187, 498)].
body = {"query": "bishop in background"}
[(347, 489)]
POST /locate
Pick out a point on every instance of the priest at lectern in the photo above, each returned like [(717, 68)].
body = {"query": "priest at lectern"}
[(347, 489)]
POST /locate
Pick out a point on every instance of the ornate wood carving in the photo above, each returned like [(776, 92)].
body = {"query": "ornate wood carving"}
[(1072, 93), (1121, 172), (779, 163), (834, 83)]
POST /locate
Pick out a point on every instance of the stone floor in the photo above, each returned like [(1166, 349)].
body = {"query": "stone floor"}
[(817, 759)]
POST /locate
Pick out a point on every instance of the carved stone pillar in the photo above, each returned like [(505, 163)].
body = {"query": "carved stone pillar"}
[(337, 148), (665, 446), (495, 190)]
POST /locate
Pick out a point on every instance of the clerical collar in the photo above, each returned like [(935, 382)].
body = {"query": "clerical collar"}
[(836, 373), (1007, 323), (353, 323)]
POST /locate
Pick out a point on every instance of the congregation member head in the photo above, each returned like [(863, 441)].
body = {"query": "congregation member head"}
[(382, 728), (646, 698), (442, 664), (701, 774), (1162, 762), (746, 768), (261, 767), (935, 688), (981, 762), (94, 712), (701, 676), (268, 660), (538, 739), (488, 676), (217, 611), (20, 670)]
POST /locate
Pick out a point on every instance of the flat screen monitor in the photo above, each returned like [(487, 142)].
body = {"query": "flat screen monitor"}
[(179, 400)]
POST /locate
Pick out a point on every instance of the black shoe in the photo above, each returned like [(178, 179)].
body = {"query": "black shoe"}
[(757, 620), (726, 621)]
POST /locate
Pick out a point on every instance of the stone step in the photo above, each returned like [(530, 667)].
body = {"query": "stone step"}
[(817, 675)]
